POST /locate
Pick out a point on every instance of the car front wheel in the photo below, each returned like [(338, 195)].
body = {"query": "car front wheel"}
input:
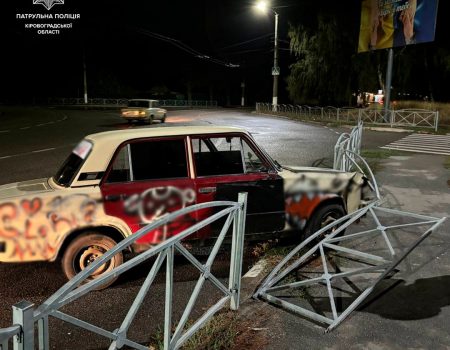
[(322, 217), (84, 250)]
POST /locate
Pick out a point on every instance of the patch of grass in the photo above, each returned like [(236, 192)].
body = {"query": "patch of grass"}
[(219, 333), (271, 252), (373, 157), (380, 153), (447, 163)]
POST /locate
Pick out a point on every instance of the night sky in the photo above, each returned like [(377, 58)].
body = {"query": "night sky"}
[(124, 59)]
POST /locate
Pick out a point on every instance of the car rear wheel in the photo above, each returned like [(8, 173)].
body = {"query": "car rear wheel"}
[(322, 217), (84, 250), (163, 120), (150, 120)]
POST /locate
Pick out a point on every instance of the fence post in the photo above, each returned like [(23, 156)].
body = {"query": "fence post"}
[(337, 114), (321, 113), (23, 316), (43, 333), (392, 118), (237, 250), (436, 121), (168, 302)]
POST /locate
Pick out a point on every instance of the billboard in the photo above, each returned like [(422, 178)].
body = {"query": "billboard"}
[(393, 23)]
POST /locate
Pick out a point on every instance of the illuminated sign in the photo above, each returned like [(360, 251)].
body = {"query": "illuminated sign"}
[(393, 23)]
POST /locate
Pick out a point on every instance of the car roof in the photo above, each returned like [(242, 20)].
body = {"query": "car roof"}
[(119, 136)]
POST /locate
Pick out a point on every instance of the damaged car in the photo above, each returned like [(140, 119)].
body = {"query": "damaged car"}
[(114, 183)]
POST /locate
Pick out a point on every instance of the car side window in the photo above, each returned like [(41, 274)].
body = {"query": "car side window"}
[(159, 159), (150, 160), (224, 156)]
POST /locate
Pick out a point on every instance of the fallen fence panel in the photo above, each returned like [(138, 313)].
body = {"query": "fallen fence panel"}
[(329, 273)]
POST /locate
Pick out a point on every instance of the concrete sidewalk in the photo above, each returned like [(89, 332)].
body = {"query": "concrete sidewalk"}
[(410, 310)]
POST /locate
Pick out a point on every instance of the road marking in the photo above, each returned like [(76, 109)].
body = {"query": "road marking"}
[(3, 131), (36, 151), (39, 124), (422, 143), (25, 127), (43, 150)]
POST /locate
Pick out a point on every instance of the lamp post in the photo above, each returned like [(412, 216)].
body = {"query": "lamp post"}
[(262, 6)]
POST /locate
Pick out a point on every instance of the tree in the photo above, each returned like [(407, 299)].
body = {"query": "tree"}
[(321, 74)]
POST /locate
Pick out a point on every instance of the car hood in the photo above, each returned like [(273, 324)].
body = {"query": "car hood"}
[(24, 188)]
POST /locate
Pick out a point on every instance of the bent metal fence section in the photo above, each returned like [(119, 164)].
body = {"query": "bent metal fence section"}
[(347, 142), (339, 262), (25, 317), (405, 118)]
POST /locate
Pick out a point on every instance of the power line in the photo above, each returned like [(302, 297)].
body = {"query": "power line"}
[(182, 46), (246, 41)]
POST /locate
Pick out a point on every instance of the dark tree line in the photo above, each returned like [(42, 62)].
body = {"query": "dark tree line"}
[(327, 69)]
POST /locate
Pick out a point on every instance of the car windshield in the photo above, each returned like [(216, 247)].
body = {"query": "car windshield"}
[(273, 161), (72, 164), (138, 103)]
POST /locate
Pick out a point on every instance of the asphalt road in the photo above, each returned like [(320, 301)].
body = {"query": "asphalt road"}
[(35, 141)]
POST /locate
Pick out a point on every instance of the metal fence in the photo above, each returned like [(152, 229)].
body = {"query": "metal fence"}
[(123, 102), (404, 117), (347, 142), (21, 334), (339, 263)]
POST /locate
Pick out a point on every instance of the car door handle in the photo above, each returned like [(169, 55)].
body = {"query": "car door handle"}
[(207, 189), (115, 197)]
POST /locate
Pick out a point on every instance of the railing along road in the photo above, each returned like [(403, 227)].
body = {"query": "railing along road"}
[(404, 117)]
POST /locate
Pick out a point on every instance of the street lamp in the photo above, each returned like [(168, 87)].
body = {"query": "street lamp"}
[(263, 6)]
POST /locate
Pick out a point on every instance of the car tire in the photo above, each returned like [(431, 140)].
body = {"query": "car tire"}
[(163, 120), (150, 120), (83, 250), (323, 216)]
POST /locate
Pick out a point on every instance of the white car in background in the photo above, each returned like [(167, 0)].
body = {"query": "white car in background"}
[(144, 111)]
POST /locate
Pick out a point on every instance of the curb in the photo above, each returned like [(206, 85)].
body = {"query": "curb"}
[(252, 279)]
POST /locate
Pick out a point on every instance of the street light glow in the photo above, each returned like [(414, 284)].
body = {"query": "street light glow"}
[(262, 6)]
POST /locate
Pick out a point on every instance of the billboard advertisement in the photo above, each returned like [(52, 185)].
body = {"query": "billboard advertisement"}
[(393, 23)]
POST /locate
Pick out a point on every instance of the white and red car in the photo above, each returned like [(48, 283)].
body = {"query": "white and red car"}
[(114, 183)]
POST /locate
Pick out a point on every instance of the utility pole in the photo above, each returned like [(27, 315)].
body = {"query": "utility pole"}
[(276, 68), (387, 92), (85, 77), (243, 94)]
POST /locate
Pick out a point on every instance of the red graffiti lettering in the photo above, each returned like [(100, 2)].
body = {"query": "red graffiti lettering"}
[(8, 213), (31, 207)]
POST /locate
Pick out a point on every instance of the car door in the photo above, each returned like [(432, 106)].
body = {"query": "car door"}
[(146, 180), (228, 164)]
